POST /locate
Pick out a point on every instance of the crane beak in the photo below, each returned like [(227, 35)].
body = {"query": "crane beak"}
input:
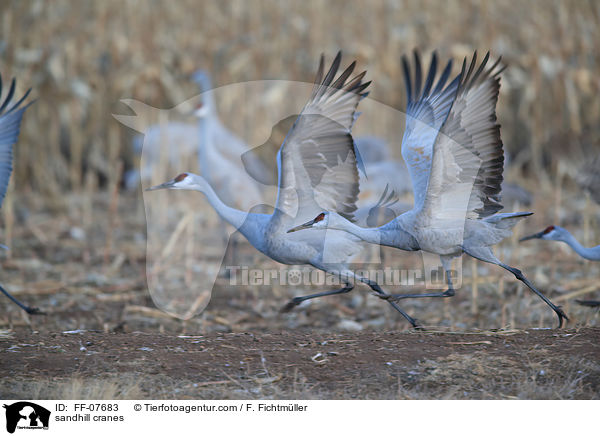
[(534, 236), (165, 185), (307, 225)]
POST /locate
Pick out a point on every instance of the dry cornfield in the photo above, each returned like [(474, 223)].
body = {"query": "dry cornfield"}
[(78, 239)]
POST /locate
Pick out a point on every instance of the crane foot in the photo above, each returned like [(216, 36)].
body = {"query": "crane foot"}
[(291, 304), (34, 311), (561, 316)]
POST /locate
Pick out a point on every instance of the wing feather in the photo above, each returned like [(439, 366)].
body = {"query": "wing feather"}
[(10, 123), (317, 160), (425, 115), (468, 159)]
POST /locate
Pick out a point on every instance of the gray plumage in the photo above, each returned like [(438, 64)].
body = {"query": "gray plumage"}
[(557, 233), (217, 149), (588, 178), (453, 149), (316, 171), (425, 115), (381, 173), (11, 114)]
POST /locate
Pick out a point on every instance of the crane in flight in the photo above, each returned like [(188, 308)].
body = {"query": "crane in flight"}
[(316, 171), (10, 124), (453, 150)]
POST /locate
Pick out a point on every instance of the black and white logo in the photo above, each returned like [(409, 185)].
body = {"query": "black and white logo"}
[(26, 415)]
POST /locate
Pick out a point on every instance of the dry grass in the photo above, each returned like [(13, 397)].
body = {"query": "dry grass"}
[(82, 58), (81, 288), (480, 375), (130, 387), (121, 388), (484, 376)]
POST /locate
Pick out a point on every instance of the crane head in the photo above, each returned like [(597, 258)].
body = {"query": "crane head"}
[(182, 181), (200, 110), (549, 233), (320, 222)]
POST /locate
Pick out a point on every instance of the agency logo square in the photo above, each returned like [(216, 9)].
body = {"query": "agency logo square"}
[(25, 415)]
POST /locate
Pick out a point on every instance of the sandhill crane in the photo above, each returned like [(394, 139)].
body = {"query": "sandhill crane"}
[(376, 169), (10, 124), (380, 172), (316, 171), (220, 153), (556, 233), (512, 192), (217, 149), (515, 193), (380, 168), (456, 174), (588, 178)]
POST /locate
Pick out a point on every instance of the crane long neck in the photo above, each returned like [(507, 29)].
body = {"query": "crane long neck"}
[(390, 234), (206, 122), (205, 85), (203, 127), (233, 216), (371, 235), (592, 253)]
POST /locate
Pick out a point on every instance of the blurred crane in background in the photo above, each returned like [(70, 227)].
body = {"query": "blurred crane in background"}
[(556, 233), (588, 179), (10, 124), (218, 151), (380, 173)]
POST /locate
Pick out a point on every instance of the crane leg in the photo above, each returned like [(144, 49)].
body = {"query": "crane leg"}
[(29, 310), (485, 254), (589, 303), (298, 300), (519, 275), (381, 293), (446, 263), (397, 297), (348, 275)]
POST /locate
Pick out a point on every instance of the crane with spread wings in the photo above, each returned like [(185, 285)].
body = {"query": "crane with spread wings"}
[(454, 153), (316, 171)]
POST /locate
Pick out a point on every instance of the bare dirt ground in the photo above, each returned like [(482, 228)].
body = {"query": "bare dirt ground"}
[(103, 338), (78, 243), (556, 364)]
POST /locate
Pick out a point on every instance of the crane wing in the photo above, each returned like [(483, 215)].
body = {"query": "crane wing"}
[(426, 112), (317, 160), (468, 159), (10, 123)]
